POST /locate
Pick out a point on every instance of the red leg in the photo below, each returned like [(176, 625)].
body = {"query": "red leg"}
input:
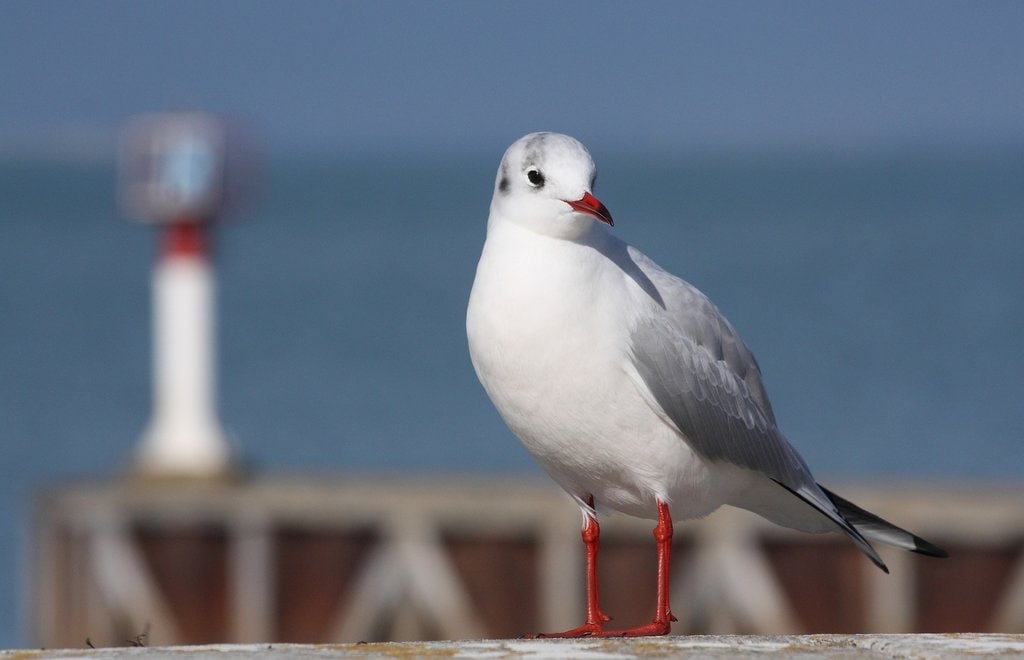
[(592, 540), (594, 627), (595, 617), (663, 618)]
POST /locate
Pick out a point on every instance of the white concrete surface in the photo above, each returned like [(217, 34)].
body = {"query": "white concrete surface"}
[(696, 646)]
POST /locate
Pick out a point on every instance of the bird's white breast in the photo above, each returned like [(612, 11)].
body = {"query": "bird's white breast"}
[(549, 339)]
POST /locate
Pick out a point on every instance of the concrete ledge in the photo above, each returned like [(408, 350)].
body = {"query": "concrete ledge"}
[(704, 646)]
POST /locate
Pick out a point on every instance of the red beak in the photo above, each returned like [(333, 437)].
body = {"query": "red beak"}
[(592, 206)]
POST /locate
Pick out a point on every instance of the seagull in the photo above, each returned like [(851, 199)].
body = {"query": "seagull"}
[(625, 383)]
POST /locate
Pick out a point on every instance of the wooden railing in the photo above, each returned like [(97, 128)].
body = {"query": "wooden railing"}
[(442, 557)]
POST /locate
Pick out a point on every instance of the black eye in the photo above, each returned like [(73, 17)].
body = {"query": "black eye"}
[(535, 178)]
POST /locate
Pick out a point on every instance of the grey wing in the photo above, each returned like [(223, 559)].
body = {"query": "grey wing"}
[(712, 405), (707, 382)]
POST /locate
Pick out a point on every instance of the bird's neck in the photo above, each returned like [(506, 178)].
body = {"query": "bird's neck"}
[(568, 227)]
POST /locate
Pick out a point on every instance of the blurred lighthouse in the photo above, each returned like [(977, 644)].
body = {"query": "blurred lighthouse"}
[(173, 173)]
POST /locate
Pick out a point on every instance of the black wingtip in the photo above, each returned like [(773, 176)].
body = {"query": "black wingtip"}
[(923, 547), (873, 555), (859, 517), (843, 524)]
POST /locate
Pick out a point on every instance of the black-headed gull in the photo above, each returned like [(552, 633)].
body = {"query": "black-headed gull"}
[(626, 383)]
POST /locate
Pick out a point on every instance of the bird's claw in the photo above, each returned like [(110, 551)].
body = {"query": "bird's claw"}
[(653, 629)]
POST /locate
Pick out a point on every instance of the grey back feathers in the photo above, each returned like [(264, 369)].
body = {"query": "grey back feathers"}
[(708, 383)]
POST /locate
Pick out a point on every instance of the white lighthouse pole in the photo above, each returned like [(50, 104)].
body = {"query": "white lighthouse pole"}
[(184, 436)]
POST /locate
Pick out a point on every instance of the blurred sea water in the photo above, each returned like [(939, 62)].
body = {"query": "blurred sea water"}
[(882, 292)]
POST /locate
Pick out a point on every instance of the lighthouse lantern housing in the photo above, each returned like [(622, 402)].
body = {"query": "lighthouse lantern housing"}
[(172, 168)]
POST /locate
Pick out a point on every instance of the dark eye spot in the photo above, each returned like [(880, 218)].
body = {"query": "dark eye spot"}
[(503, 184), (535, 178)]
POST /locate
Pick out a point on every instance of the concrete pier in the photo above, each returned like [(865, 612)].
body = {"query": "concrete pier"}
[(699, 646)]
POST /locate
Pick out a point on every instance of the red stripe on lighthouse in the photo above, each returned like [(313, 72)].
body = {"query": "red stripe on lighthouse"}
[(184, 239)]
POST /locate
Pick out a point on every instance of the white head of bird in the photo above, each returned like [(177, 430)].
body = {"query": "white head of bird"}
[(545, 181)]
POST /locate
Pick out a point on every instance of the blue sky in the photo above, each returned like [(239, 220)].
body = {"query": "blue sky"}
[(387, 76)]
